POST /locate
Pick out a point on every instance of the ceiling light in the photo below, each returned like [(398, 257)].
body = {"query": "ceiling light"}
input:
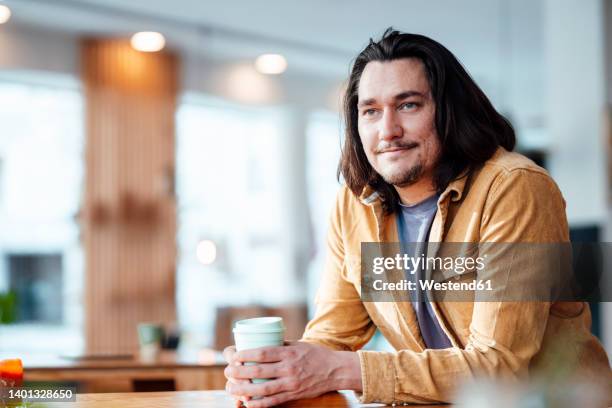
[(206, 252), (148, 41), (5, 14), (271, 64)]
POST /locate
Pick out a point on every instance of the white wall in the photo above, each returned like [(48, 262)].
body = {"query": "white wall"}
[(575, 90), (523, 85), (29, 48), (240, 82)]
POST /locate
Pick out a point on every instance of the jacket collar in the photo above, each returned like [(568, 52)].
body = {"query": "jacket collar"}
[(455, 189), (368, 195)]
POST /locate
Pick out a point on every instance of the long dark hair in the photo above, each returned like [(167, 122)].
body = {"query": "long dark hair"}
[(468, 126)]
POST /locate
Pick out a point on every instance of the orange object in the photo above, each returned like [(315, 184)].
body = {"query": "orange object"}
[(11, 372)]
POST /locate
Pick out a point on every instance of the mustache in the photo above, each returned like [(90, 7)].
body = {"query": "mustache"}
[(395, 146)]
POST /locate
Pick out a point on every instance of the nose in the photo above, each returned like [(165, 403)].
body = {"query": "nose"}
[(390, 127)]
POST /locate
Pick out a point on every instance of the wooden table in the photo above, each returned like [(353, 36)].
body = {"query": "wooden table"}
[(200, 399), (183, 372)]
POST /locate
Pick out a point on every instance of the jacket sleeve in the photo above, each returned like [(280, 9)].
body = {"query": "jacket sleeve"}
[(341, 321), (522, 206)]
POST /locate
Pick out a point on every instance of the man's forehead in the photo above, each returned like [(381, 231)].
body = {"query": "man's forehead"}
[(386, 79)]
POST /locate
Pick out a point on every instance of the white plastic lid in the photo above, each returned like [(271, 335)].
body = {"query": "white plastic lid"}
[(260, 325)]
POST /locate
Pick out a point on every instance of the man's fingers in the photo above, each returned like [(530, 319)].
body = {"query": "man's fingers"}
[(228, 353), (262, 355), (238, 380), (239, 400), (270, 370), (258, 390), (271, 400), (232, 374)]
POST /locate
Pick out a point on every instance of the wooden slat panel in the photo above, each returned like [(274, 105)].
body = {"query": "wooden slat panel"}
[(129, 217)]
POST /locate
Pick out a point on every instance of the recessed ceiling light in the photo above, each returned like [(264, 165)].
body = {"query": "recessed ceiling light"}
[(206, 252), (148, 41), (5, 14), (271, 64)]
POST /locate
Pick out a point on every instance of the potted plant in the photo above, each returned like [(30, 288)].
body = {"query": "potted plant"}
[(8, 301)]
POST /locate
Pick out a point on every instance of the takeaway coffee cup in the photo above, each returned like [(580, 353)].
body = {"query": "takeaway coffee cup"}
[(259, 332)]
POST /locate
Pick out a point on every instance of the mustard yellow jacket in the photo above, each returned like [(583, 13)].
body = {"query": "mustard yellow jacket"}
[(509, 199)]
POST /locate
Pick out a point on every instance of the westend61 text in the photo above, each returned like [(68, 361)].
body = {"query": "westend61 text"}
[(426, 285)]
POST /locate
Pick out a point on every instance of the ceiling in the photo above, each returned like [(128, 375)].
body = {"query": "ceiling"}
[(316, 35)]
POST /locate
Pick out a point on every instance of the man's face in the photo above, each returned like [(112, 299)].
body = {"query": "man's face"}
[(396, 120)]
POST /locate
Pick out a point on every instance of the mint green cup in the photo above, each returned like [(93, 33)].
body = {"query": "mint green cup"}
[(259, 332), (150, 333)]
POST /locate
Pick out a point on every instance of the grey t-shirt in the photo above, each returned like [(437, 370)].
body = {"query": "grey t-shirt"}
[(414, 223)]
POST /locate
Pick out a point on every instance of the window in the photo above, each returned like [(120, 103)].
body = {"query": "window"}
[(36, 281), (323, 141), (41, 175), (226, 167)]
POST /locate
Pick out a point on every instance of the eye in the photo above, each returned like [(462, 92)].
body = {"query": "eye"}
[(407, 106), (369, 112)]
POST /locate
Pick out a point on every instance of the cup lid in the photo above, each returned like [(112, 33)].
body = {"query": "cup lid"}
[(260, 325)]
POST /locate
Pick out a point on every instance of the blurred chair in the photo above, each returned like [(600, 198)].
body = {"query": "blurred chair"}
[(295, 318)]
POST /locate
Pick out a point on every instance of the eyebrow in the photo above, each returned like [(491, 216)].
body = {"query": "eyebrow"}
[(398, 97)]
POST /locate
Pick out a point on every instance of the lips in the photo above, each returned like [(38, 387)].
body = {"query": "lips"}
[(395, 149), (398, 148)]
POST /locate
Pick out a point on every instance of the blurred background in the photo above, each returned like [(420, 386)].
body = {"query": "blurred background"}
[(187, 179)]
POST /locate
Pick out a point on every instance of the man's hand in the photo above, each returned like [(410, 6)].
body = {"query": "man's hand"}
[(298, 370)]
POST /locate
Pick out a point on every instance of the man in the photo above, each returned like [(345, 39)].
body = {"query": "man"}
[(426, 158)]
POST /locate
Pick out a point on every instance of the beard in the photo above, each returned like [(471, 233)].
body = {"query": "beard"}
[(405, 177)]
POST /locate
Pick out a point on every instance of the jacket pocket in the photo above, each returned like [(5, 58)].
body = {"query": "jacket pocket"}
[(453, 276)]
